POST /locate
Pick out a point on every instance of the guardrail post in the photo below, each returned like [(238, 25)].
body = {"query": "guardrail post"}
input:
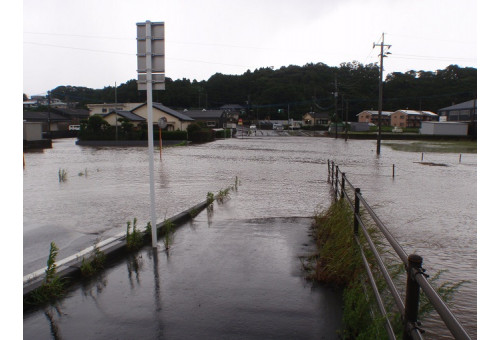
[(356, 210), (333, 167), (342, 188), (336, 181), (412, 295), (328, 161)]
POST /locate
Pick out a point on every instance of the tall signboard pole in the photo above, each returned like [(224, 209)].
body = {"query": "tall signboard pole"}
[(151, 70)]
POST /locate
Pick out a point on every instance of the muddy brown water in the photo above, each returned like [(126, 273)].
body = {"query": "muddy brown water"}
[(430, 210)]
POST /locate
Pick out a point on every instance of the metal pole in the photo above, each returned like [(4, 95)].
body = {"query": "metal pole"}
[(356, 210), (379, 136), (342, 188), (116, 117), (336, 181), (412, 295), (393, 170), (159, 128), (150, 131)]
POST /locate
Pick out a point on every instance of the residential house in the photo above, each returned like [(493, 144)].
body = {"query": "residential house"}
[(75, 115), (233, 112), (462, 112), (411, 118), (213, 118), (371, 117), (51, 121), (113, 118), (175, 120), (316, 118), (106, 108)]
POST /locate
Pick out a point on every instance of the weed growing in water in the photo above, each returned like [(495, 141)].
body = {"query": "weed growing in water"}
[(52, 286), (63, 174), (169, 231), (81, 173), (134, 237), (210, 200), (96, 263)]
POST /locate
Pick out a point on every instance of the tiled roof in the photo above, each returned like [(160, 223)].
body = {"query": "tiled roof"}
[(168, 110), (43, 117), (128, 115)]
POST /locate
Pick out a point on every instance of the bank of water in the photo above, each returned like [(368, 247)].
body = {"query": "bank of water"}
[(430, 210)]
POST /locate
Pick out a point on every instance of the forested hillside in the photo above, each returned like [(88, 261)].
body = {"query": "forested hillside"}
[(268, 92)]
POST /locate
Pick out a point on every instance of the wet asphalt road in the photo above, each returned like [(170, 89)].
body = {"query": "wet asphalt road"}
[(220, 279)]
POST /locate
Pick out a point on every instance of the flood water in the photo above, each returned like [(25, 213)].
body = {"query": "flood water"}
[(431, 210)]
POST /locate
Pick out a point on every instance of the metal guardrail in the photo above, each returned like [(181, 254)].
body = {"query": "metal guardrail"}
[(416, 280)]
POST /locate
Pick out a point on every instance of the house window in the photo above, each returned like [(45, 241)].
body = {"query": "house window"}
[(104, 110)]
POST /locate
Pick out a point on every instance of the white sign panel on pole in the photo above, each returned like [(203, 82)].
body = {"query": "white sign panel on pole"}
[(158, 81)]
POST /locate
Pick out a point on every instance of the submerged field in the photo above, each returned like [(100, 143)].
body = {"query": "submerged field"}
[(427, 146)]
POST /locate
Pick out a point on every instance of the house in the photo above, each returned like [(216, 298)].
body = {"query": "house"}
[(175, 119), (316, 118), (444, 128), (113, 118), (75, 115), (213, 118), (56, 121), (106, 108), (233, 112), (411, 118), (370, 116), (462, 112)]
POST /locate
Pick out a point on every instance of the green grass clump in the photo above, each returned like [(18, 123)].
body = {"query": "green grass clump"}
[(169, 233), (52, 286), (94, 264), (134, 238), (338, 262)]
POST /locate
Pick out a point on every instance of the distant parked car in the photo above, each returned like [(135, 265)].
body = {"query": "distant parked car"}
[(74, 128), (253, 127)]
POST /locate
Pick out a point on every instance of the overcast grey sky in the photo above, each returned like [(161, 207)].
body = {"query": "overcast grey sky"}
[(92, 43)]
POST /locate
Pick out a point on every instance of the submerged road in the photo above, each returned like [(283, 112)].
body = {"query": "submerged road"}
[(220, 279)]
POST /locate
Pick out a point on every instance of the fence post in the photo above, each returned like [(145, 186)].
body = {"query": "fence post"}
[(333, 167), (342, 188), (412, 295), (328, 170), (356, 210), (336, 181)]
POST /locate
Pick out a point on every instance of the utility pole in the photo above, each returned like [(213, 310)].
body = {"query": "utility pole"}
[(336, 111), (380, 83), (116, 117), (346, 117), (48, 116)]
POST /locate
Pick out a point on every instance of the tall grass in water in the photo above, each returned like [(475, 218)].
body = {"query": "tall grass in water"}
[(52, 286), (63, 174), (338, 261)]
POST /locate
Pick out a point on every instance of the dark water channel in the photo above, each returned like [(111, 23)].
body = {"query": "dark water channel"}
[(431, 210)]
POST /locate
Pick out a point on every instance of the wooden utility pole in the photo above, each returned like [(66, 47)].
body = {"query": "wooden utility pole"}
[(380, 83)]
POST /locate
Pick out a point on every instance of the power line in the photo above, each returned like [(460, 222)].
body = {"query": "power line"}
[(133, 54)]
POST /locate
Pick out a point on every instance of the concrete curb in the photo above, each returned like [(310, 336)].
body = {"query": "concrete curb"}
[(113, 248)]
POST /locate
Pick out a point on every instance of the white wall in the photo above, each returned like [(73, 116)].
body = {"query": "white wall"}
[(444, 128)]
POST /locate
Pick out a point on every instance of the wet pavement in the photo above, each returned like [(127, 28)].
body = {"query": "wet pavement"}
[(220, 279)]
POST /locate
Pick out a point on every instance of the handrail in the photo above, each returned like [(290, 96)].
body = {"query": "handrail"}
[(416, 278)]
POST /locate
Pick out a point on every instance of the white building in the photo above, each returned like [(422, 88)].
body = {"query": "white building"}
[(444, 128)]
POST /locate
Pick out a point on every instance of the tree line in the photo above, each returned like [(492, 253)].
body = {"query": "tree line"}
[(291, 91)]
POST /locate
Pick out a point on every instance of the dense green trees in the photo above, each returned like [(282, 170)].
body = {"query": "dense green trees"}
[(268, 92)]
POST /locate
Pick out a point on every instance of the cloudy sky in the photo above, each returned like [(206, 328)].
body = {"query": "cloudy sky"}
[(92, 43)]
